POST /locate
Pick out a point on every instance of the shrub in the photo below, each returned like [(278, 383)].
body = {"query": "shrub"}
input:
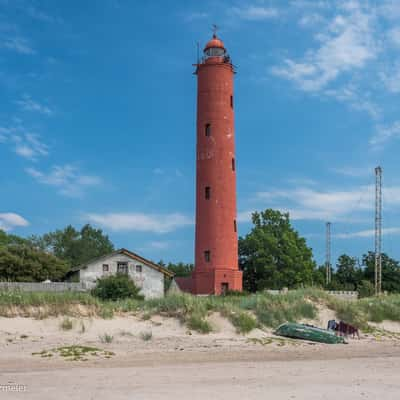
[(106, 312), (106, 338), (236, 293), (146, 336), (242, 321), (116, 287), (198, 323), (365, 289), (66, 324)]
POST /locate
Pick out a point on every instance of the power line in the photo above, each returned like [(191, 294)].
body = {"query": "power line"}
[(378, 230), (328, 268)]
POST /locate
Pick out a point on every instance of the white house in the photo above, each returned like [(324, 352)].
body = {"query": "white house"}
[(148, 276)]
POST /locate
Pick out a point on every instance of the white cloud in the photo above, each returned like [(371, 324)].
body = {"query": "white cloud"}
[(302, 181), (156, 223), (9, 221), (193, 16), (67, 178), (389, 9), (367, 233), (304, 203), (17, 44), (391, 78), (28, 104), (25, 144), (354, 172), (255, 13), (384, 134), (352, 96), (40, 15), (394, 36), (310, 20), (159, 245), (29, 146), (347, 44), (244, 216)]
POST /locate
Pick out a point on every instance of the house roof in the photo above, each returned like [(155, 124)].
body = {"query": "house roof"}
[(185, 283), (129, 254)]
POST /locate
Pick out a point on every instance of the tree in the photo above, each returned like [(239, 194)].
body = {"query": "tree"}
[(390, 271), (73, 246), (347, 274), (319, 276), (180, 269), (273, 255), (8, 239), (21, 263)]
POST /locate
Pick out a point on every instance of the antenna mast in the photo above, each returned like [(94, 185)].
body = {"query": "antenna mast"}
[(378, 231), (328, 254)]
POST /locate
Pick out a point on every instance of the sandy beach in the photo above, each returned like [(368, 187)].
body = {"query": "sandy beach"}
[(178, 364)]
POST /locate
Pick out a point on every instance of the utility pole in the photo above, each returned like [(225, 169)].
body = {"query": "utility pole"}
[(378, 230), (328, 267)]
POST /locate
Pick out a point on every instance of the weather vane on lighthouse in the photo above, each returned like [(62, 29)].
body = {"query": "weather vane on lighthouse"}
[(215, 28)]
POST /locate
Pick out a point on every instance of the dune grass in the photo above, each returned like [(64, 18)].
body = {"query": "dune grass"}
[(66, 324), (244, 312)]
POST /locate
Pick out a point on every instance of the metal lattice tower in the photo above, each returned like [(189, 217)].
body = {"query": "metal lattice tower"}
[(328, 267), (378, 230)]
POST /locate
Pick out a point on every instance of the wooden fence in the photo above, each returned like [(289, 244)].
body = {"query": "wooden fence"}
[(45, 286)]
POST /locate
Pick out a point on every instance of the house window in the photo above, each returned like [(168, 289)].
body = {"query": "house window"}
[(233, 164), (208, 129), (208, 192), (207, 255), (234, 225), (105, 268), (122, 268), (138, 268), (231, 101)]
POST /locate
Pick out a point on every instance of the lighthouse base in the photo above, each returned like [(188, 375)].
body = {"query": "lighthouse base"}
[(217, 281)]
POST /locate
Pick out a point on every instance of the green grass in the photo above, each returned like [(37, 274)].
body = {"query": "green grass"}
[(75, 353), (198, 323), (106, 338), (245, 312)]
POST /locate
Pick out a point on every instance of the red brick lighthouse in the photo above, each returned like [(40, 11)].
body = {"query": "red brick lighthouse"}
[(216, 243)]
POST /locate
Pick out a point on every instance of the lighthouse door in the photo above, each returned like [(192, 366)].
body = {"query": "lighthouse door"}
[(224, 287)]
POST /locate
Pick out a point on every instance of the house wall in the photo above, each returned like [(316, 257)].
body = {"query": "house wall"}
[(149, 280)]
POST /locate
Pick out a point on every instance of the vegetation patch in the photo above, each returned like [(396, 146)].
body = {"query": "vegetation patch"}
[(245, 312), (272, 340), (66, 324), (106, 338), (146, 336), (116, 287), (75, 353), (241, 320), (198, 323)]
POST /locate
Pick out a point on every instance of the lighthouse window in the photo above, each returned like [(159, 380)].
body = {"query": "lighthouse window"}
[(208, 129), (231, 101), (234, 225), (207, 255), (233, 164), (215, 52), (208, 192)]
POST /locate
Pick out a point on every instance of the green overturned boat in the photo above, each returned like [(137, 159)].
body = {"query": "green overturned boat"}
[(308, 332)]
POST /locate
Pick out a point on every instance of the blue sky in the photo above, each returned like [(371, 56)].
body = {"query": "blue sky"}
[(97, 117)]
